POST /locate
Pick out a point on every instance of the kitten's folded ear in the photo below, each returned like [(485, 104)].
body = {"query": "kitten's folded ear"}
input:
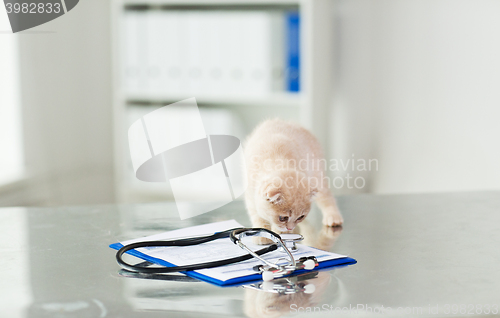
[(273, 195), (271, 190)]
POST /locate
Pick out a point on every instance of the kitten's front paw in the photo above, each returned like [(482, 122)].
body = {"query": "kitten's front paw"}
[(334, 219)]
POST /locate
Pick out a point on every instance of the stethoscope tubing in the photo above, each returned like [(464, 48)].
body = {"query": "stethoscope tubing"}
[(185, 242)]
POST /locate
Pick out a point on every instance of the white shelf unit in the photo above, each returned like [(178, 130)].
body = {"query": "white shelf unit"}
[(310, 106)]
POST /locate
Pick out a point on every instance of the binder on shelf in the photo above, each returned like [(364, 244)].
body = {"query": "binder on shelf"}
[(256, 53), (217, 53), (209, 60), (130, 55), (194, 51), (168, 31), (293, 51), (215, 59), (232, 52), (156, 51), (278, 55)]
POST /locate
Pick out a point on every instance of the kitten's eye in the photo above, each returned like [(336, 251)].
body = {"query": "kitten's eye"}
[(300, 217), (283, 218)]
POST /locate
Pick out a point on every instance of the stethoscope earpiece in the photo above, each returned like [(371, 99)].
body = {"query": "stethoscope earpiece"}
[(267, 276), (309, 264)]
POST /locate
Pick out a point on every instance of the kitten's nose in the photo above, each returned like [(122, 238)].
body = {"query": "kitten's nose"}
[(289, 229)]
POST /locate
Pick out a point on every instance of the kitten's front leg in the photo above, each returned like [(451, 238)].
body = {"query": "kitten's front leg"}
[(259, 222), (328, 206)]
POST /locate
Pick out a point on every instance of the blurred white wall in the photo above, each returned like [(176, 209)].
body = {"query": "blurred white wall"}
[(67, 108), (418, 88)]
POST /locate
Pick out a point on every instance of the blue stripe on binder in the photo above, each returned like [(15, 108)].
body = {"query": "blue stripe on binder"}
[(292, 52)]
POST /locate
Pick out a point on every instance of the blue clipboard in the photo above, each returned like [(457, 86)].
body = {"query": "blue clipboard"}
[(338, 262)]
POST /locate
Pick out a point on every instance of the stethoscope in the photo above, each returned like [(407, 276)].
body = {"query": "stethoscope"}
[(268, 270)]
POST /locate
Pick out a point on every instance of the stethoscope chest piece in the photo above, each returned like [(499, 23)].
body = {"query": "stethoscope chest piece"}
[(269, 270), (290, 241)]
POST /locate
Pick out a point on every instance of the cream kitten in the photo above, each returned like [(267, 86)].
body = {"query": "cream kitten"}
[(285, 168)]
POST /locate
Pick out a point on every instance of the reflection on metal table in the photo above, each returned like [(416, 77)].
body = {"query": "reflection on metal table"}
[(418, 254)]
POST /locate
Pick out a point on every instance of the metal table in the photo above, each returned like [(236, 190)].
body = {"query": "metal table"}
[(418, 255)]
